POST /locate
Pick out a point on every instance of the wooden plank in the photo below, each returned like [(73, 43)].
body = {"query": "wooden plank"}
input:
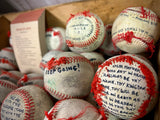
[(4, 29)]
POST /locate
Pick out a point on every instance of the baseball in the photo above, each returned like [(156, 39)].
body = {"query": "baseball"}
[(55, 39), (7, 59), (126, 86), (73, 109), (31, 79), (136, 30), (68, 76), (84, 32), (47, 57), (107, 48), (26, 103)]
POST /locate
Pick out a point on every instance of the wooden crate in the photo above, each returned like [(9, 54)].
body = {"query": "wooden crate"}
[(107, 10)]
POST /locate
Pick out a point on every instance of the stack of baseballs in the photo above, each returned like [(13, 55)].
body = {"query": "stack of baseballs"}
[(91, 71)]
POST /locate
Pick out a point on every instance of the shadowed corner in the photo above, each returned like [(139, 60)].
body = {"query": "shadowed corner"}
[(52, 21)]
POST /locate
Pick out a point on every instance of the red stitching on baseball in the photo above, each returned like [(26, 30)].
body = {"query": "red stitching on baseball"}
[(66, 60), (8, 85), (61, 95), (7, 49), (144, 13), (54, 111), (5, 61), (128, 36), (10, 75), (98, 89), (28, 101), (90, 40)]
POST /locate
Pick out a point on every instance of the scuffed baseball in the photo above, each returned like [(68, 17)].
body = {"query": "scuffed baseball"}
[(136, 30), (84, 32), (26, 103), (68, 76), (126, 86)]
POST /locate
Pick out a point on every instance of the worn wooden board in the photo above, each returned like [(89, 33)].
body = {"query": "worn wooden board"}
[(4, 29), (107, 10)]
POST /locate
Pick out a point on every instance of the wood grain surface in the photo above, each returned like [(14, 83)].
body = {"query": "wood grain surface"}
[(107, 10)]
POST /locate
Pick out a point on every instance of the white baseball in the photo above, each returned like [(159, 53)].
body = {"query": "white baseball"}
[(136, 30), (126, 86), (55, 39), (68, 76), (73, 109), (26, 103), (7, 59), (47, 57), (84, 32)]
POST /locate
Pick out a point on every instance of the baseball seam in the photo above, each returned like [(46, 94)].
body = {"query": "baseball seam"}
[(128, 36), (66, 60), (7, 49), (144, 14), (60, 95), (8, 85), (29, 103)]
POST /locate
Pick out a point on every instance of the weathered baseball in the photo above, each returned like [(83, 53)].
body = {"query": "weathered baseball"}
[(68, 76), (84, 32), (73, 109), (107, 48), (47, 57), (31, 79), (126, 86), (7, 59), (55, 39), (12, 76), (26, 103), (136, 30), (95, 58)]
